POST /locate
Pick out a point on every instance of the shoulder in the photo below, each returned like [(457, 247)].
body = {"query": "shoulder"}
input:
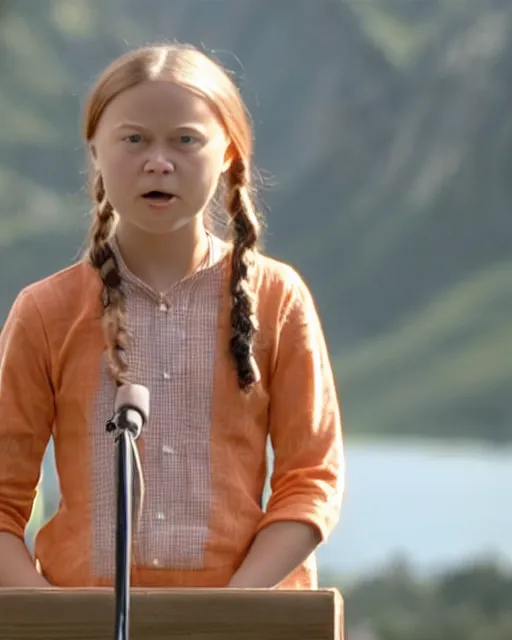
[(63, 293), (281, 293), (277, 276), (280, 285)]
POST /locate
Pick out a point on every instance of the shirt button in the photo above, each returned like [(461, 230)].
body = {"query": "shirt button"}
[(160, 516), (167, 376), (167, 449), (156, 562), (163, 307)]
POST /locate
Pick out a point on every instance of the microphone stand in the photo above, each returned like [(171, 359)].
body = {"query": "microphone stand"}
[(126, 449)]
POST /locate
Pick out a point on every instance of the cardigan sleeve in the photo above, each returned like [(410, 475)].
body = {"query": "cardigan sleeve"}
[(26, 411), (305, 421)]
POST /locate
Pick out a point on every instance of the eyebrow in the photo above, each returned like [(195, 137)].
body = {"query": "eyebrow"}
[(182, 127)]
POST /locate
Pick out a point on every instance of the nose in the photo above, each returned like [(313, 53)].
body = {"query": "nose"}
[(158, 163)]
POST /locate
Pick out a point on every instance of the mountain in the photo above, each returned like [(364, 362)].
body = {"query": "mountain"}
[(383, 135)]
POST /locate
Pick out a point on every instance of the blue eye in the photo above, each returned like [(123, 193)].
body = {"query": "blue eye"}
[(187, 139)]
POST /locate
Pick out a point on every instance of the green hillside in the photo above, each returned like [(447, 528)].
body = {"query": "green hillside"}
[(384, 136)]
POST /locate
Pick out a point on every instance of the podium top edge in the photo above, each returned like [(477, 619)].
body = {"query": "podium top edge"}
[(160, 591)]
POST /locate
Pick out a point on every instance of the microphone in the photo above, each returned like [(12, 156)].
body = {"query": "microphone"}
[(131, 408)]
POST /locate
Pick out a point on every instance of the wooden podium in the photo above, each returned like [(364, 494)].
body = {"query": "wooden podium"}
[(172, 614)]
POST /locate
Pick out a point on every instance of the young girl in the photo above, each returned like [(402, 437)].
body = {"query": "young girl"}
[(227, 341)]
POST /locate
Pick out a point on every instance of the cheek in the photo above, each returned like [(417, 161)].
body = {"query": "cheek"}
[(118, 170), (204, 171)]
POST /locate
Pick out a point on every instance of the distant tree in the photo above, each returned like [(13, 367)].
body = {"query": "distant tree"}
[(468, 603)]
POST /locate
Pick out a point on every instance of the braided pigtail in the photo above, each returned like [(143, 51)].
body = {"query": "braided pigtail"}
[(246, 231), (102, 258)]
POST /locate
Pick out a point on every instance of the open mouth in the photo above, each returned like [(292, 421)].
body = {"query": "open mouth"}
[(158, 196)]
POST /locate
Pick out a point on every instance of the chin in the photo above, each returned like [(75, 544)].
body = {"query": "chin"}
[(159, 227)]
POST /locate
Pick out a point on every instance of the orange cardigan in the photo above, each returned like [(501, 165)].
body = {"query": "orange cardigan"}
[(50, 349)]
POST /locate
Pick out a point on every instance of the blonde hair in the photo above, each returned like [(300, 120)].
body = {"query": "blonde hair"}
[(187, 66)]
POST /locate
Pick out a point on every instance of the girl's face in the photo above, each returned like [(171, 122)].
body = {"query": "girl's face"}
[(160, 150)]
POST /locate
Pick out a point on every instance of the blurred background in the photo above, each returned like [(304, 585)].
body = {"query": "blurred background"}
[(384, 139)]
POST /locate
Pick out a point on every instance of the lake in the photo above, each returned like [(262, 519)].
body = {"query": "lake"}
[(435, 504)]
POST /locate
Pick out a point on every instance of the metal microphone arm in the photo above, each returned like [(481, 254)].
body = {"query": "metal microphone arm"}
[(127, 423)]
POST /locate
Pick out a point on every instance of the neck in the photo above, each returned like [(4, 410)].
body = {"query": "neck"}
[(161, 260)]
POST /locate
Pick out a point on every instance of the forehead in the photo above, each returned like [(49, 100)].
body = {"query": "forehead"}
[(159, 105)]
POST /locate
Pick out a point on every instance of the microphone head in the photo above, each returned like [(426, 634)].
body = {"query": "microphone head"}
[(135, 396)]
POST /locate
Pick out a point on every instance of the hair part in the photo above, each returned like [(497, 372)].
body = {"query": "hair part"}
[(190, 68)]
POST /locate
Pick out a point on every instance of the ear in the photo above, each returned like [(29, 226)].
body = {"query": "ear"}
[(93, 153)]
